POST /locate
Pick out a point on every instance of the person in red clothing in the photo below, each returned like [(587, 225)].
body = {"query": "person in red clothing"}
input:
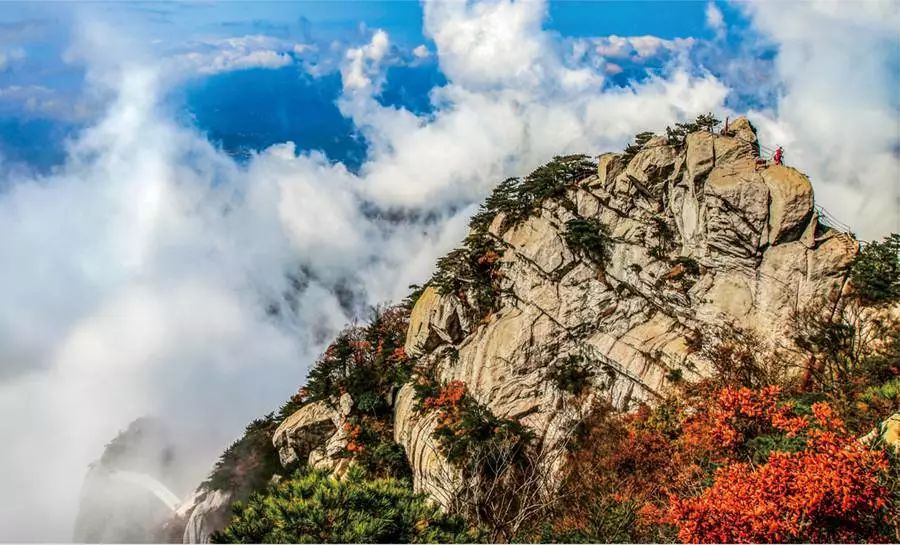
[(779, 156)]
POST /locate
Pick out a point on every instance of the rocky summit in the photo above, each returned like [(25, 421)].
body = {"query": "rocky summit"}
[(698, 239)]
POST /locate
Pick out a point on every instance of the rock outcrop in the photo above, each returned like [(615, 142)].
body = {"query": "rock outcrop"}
[(315, 435), (699, 237), (202, 514)]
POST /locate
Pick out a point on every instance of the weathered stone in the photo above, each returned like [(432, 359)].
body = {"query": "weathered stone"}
[(303, 431), (609, 165), (539, 241), (736, 209), (650, 167), (757, 259), (700, 156), (791, 202), (741, 129), (208, 513), (434, 320)]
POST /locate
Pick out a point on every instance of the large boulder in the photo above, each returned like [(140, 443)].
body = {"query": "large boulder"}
[(736, 209), (306, 430), (791, 203), (435, 320)]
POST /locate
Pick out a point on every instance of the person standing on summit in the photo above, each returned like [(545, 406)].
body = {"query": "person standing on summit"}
[(779, 156)]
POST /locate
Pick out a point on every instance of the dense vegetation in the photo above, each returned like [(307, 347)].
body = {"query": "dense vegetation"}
[(588, 237), (876, 274), (366, 361), (725, 464), (312, 507), (496, 479), (249, 462)]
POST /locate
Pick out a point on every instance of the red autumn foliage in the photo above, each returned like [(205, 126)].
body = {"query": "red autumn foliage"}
[(398, 355), (353, 432), (651, 469), (488, 258), (736, 414), (448, 397), (830, 491)]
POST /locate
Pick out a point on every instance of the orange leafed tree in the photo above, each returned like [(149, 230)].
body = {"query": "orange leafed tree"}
[(831, 491)]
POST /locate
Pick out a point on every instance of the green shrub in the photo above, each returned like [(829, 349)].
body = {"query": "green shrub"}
[(571, 374), (473, 435), (760, 447), (367, 362), (551, 180), (889, 391), (675, 375), (248, 463), (875, 275), (471, 273), (517, 197), (313, 507), (588, 237), (640, 140), (677, 136), (504, 199)]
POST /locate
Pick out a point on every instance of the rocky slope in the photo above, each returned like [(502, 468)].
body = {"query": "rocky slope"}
[(621, 271), (697, 238)]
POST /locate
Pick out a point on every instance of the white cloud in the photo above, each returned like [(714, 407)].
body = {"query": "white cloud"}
[(236, 53), (10, 57), (303, 49), (363, 63), (492, 44), (638, 48), (513, 101), (837, 112), (714, 19), (421, 51)]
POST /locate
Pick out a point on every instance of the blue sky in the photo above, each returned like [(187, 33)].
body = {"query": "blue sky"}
[(169, 172), (252, 108)]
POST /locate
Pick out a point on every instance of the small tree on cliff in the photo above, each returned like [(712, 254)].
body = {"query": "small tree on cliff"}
[(875, 276)]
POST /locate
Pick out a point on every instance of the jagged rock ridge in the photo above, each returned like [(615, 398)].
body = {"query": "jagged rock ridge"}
[(699, 237)]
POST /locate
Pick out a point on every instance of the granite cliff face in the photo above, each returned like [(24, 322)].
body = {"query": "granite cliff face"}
[(699, 238), (623, 269)]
